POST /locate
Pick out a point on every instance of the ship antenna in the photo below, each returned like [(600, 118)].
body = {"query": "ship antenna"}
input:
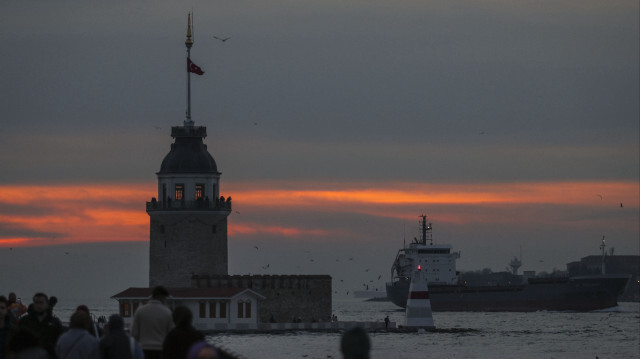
[(404, 234), (602, 247)]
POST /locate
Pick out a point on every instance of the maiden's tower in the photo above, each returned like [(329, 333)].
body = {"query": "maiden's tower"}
[(188, 252)]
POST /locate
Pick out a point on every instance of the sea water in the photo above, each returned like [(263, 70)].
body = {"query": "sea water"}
[(611, 333)]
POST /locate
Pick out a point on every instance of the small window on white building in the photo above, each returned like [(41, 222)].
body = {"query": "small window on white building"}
[(212, 309), (247, 309), (203, 309), (223, 309), (240, 310), (125, 309), (244, 309)]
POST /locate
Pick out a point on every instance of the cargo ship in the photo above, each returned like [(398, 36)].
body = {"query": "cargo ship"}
[(524, 294)]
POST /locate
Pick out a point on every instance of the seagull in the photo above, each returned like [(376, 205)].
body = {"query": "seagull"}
[(221, 39), (256, 247), (620, 204), (599, 195)]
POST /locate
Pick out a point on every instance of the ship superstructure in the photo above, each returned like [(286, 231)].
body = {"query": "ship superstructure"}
[(437, 260)]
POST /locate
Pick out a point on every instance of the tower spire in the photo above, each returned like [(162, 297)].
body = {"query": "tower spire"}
[(188, 42)]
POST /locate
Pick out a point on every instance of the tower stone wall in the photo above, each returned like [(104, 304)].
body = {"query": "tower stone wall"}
[(186, 243)]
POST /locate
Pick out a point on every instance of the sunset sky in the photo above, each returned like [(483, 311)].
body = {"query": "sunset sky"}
[(513, 125)]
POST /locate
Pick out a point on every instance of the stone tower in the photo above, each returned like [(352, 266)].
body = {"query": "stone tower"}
[(188, 220)]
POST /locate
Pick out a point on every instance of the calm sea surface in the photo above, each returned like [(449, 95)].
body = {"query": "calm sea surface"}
[(612, 333)]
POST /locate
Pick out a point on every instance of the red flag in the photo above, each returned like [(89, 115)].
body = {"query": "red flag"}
[(191, 67)]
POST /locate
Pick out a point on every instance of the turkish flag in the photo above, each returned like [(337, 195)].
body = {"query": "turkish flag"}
[(191, 67)]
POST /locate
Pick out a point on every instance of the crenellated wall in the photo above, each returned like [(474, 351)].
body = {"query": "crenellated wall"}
[(288, 297)]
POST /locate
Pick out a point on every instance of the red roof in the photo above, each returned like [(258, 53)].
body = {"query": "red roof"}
[(185, 292)]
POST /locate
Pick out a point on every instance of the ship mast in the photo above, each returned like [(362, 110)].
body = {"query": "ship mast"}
[(426, 231), (602, 246)]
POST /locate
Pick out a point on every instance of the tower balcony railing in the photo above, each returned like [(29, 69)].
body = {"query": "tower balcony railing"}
[(205, 204)]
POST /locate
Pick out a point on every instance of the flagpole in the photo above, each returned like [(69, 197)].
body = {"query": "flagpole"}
[(189, 42)]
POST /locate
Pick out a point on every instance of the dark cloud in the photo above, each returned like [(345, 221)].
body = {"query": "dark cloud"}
[(12, 230), (106, 81)]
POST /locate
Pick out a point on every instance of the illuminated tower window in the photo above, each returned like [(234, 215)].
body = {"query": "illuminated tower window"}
[(199, 191), (179, 192)]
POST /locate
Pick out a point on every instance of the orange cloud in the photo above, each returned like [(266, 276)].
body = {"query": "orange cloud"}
[(33, 215), (410, 193)]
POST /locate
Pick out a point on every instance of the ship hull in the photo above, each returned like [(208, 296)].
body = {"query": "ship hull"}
[(569, 294)]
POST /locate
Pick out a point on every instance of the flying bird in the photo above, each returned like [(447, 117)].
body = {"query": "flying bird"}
[(620, 204), (223, 39), (599, 195), (256, 247)]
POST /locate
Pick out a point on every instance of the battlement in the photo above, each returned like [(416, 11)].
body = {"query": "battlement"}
[(258, 282), (217, 204)]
